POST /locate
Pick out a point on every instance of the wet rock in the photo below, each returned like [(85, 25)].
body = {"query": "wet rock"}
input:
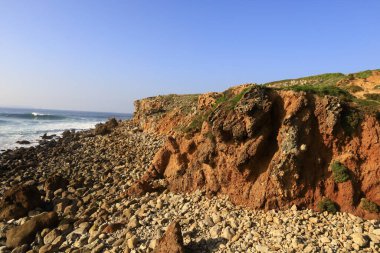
[(23, 142)]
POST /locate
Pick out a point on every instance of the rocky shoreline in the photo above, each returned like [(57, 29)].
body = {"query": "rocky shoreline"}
[(82, 178)]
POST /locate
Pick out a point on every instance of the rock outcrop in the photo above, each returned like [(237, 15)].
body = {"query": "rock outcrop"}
[(172, 241), (270, 149)]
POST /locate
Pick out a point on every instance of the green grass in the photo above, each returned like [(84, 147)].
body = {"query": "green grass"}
[(325, 79), (327, 205), (227, 101), (220, 100), (369, 206), (368, 106), (363, 74), (234, 100), (340, 172), (322, 90), (196, 124)]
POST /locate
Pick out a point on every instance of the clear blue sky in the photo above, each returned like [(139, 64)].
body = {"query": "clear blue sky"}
[(102, 55)]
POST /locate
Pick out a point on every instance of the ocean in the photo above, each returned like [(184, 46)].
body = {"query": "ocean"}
[(30, 124)]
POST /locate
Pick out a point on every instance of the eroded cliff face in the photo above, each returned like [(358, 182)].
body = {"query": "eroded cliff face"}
[(265, 148)]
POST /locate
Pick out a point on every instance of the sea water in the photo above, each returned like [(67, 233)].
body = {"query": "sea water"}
[(30, 124)]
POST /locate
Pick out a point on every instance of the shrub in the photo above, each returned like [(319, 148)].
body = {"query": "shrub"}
[(340, 172), (354, 88), (350, 120), (369, 205), (351, 76), (368, 106), (327, 205), (372, 96)]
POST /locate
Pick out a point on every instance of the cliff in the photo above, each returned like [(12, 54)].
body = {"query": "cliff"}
[(271, 146)]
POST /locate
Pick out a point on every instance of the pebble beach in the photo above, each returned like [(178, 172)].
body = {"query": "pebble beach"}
[(95, 215)]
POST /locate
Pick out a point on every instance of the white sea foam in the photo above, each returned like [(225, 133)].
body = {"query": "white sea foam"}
[(16, 126), (35, 114)]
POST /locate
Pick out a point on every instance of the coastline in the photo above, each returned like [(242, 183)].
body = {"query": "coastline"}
[(23, 127), (96, 215)]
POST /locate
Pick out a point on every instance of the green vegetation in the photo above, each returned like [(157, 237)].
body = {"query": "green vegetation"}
[(226, 101), (353, 88), (220, 100), (350, 120), (322, 90), (340, 172), (363, 74), (324, 79), (234, 100), (368, 106), (369, 205), (196, 124), (327, 205), (373, 96)]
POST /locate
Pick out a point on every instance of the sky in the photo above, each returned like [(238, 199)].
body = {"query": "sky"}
[(102, 55)]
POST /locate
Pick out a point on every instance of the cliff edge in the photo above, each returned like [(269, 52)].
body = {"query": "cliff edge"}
[(271, 146)]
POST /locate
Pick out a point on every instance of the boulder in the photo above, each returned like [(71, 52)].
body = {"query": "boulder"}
[(26, 233), (172, 241), (18, 201), (27, 196), (55, 182), (107, 127), (12, 212)]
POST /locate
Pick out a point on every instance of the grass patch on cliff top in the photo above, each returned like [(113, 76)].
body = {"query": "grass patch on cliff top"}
[(325, 79), (363, 74), (227, 101), (323, 90)]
